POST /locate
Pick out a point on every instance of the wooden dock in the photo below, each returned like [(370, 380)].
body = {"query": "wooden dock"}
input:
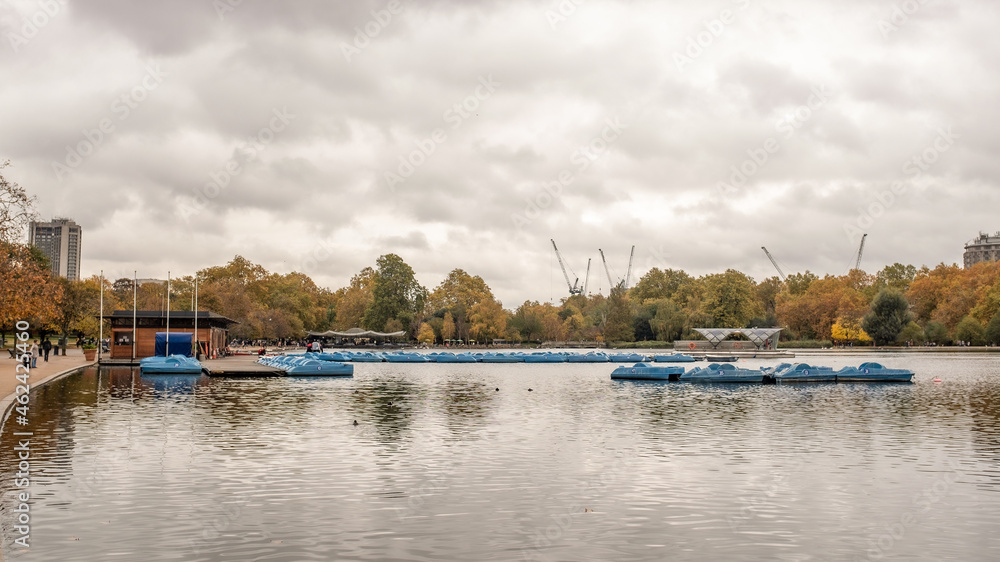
[(239, 366)]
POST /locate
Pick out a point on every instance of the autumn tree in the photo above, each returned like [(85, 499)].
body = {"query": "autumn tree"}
[(619, 323), (27, 288), (425, 334), (457, 294), (848, 330), (488, 320), (354, 300), (447, 327)]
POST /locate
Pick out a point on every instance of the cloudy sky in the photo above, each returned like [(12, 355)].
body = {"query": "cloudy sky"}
[(315, 136)]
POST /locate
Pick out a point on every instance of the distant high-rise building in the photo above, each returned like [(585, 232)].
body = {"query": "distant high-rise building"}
[(983, 248), (59, 240)]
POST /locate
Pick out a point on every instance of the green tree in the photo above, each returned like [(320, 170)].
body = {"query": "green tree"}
[(660, 284), (798, 283), (888, 316), (992, 334), (936, 332), (970, 330), (668, 321), (394, 293), (619, 323), (911, 333), (730, 299), (896, 276)]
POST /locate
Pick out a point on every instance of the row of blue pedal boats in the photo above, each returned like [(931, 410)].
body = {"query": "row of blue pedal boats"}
[(784, 373), (497, 357)]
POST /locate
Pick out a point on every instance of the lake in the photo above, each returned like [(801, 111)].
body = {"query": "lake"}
[(464, 462)]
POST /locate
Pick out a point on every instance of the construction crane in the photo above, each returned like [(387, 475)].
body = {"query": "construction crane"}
[(621, 283), (611, 282), (586, 278), (628, 274), (861, 249), (775, 264), (574, 287)]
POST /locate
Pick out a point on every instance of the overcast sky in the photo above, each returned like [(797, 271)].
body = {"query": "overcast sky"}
[(313, 136)]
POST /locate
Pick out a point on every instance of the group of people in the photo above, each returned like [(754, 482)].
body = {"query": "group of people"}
[(30, 359)]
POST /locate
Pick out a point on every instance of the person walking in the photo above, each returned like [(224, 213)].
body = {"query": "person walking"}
[(33, 350), (46, 348)]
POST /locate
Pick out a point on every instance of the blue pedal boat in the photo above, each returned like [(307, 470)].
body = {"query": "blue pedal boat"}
[(172, 365), (675, 358), (405, 357), (314, 368), (501, 358), (716, 373), (646, 372), (627, 358), (588, 358), (545, 358), (802, 372), (873, 372), (455, 358)]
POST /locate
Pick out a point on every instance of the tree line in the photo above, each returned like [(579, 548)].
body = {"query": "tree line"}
[(899, 304)]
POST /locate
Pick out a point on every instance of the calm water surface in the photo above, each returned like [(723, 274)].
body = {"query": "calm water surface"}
[(442, 466)]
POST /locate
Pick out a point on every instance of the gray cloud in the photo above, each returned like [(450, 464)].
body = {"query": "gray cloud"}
[(467, 203)]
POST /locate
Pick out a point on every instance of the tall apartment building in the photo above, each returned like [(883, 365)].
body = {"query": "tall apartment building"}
[(59, 240), (983, 248)]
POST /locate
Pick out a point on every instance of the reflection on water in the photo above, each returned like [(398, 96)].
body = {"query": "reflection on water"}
[(444, 466)]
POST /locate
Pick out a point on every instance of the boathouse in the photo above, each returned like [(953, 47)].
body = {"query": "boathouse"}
[(213, 331)]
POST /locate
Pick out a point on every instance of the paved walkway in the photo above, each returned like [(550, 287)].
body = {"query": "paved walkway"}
[(43, 371)]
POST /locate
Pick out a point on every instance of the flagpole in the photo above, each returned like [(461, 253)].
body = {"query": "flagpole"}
[(100, 337), (166, 349), (135, 301), (197, 346)]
